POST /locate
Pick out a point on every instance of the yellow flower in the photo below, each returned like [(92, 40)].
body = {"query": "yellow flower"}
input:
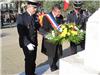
[(68, 33), (71, 26), (63, 34), (74, 32), (63, 27), (65, 30)]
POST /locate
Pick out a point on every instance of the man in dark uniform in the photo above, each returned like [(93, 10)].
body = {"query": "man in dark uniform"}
[(27, 25), (53, 51), (78, 16)]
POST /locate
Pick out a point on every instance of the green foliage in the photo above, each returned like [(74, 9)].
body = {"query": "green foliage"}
[(77, 39), (68, 33), (47, 5), (92, 6)]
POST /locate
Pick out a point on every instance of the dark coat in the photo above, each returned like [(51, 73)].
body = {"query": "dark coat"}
[(60, 19), (27, 27), (79, 19), (48, 47)]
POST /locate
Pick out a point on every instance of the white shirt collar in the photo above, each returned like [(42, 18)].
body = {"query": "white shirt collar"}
[(53, 15)]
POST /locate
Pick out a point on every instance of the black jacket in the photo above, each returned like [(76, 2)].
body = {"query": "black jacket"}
[(27, 27), (79, 19), (50, 48)]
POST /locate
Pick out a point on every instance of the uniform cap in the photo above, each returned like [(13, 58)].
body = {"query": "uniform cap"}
[(34, 3)]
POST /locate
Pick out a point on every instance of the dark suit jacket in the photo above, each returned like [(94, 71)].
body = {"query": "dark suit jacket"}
[(50, 48), (27, 27)]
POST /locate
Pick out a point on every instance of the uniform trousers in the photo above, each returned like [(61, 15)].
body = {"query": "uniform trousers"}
[(30, 58)]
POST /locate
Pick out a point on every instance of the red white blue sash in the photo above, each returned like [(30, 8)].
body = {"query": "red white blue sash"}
[(53, 22)]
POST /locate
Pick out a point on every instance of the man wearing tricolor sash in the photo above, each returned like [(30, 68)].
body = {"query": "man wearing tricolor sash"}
[(49, 23)]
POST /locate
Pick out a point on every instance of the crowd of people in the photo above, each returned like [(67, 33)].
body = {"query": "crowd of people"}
[(29, 22)]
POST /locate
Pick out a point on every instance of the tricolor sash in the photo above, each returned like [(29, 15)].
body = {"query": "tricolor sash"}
[(53, 22)]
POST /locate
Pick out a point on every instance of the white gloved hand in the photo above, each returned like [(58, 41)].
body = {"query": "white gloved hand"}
[(76, 28), (59, 28), (81, 30), (30, 46)]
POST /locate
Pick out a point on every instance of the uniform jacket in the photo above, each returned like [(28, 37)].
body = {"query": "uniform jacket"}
[(78, 19), (27, 27)]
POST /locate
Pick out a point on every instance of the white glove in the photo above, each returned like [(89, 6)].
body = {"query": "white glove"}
[(76, 28), (30, 46), (81, 30), (59, 28)]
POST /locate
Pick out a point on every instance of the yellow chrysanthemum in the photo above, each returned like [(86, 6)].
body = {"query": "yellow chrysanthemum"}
[(71, 25), (68, 33), (74, 32), (65, 30), (63, 34), (63, 27)]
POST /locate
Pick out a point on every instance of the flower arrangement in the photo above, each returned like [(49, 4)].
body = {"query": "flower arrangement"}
[(69, 32)]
